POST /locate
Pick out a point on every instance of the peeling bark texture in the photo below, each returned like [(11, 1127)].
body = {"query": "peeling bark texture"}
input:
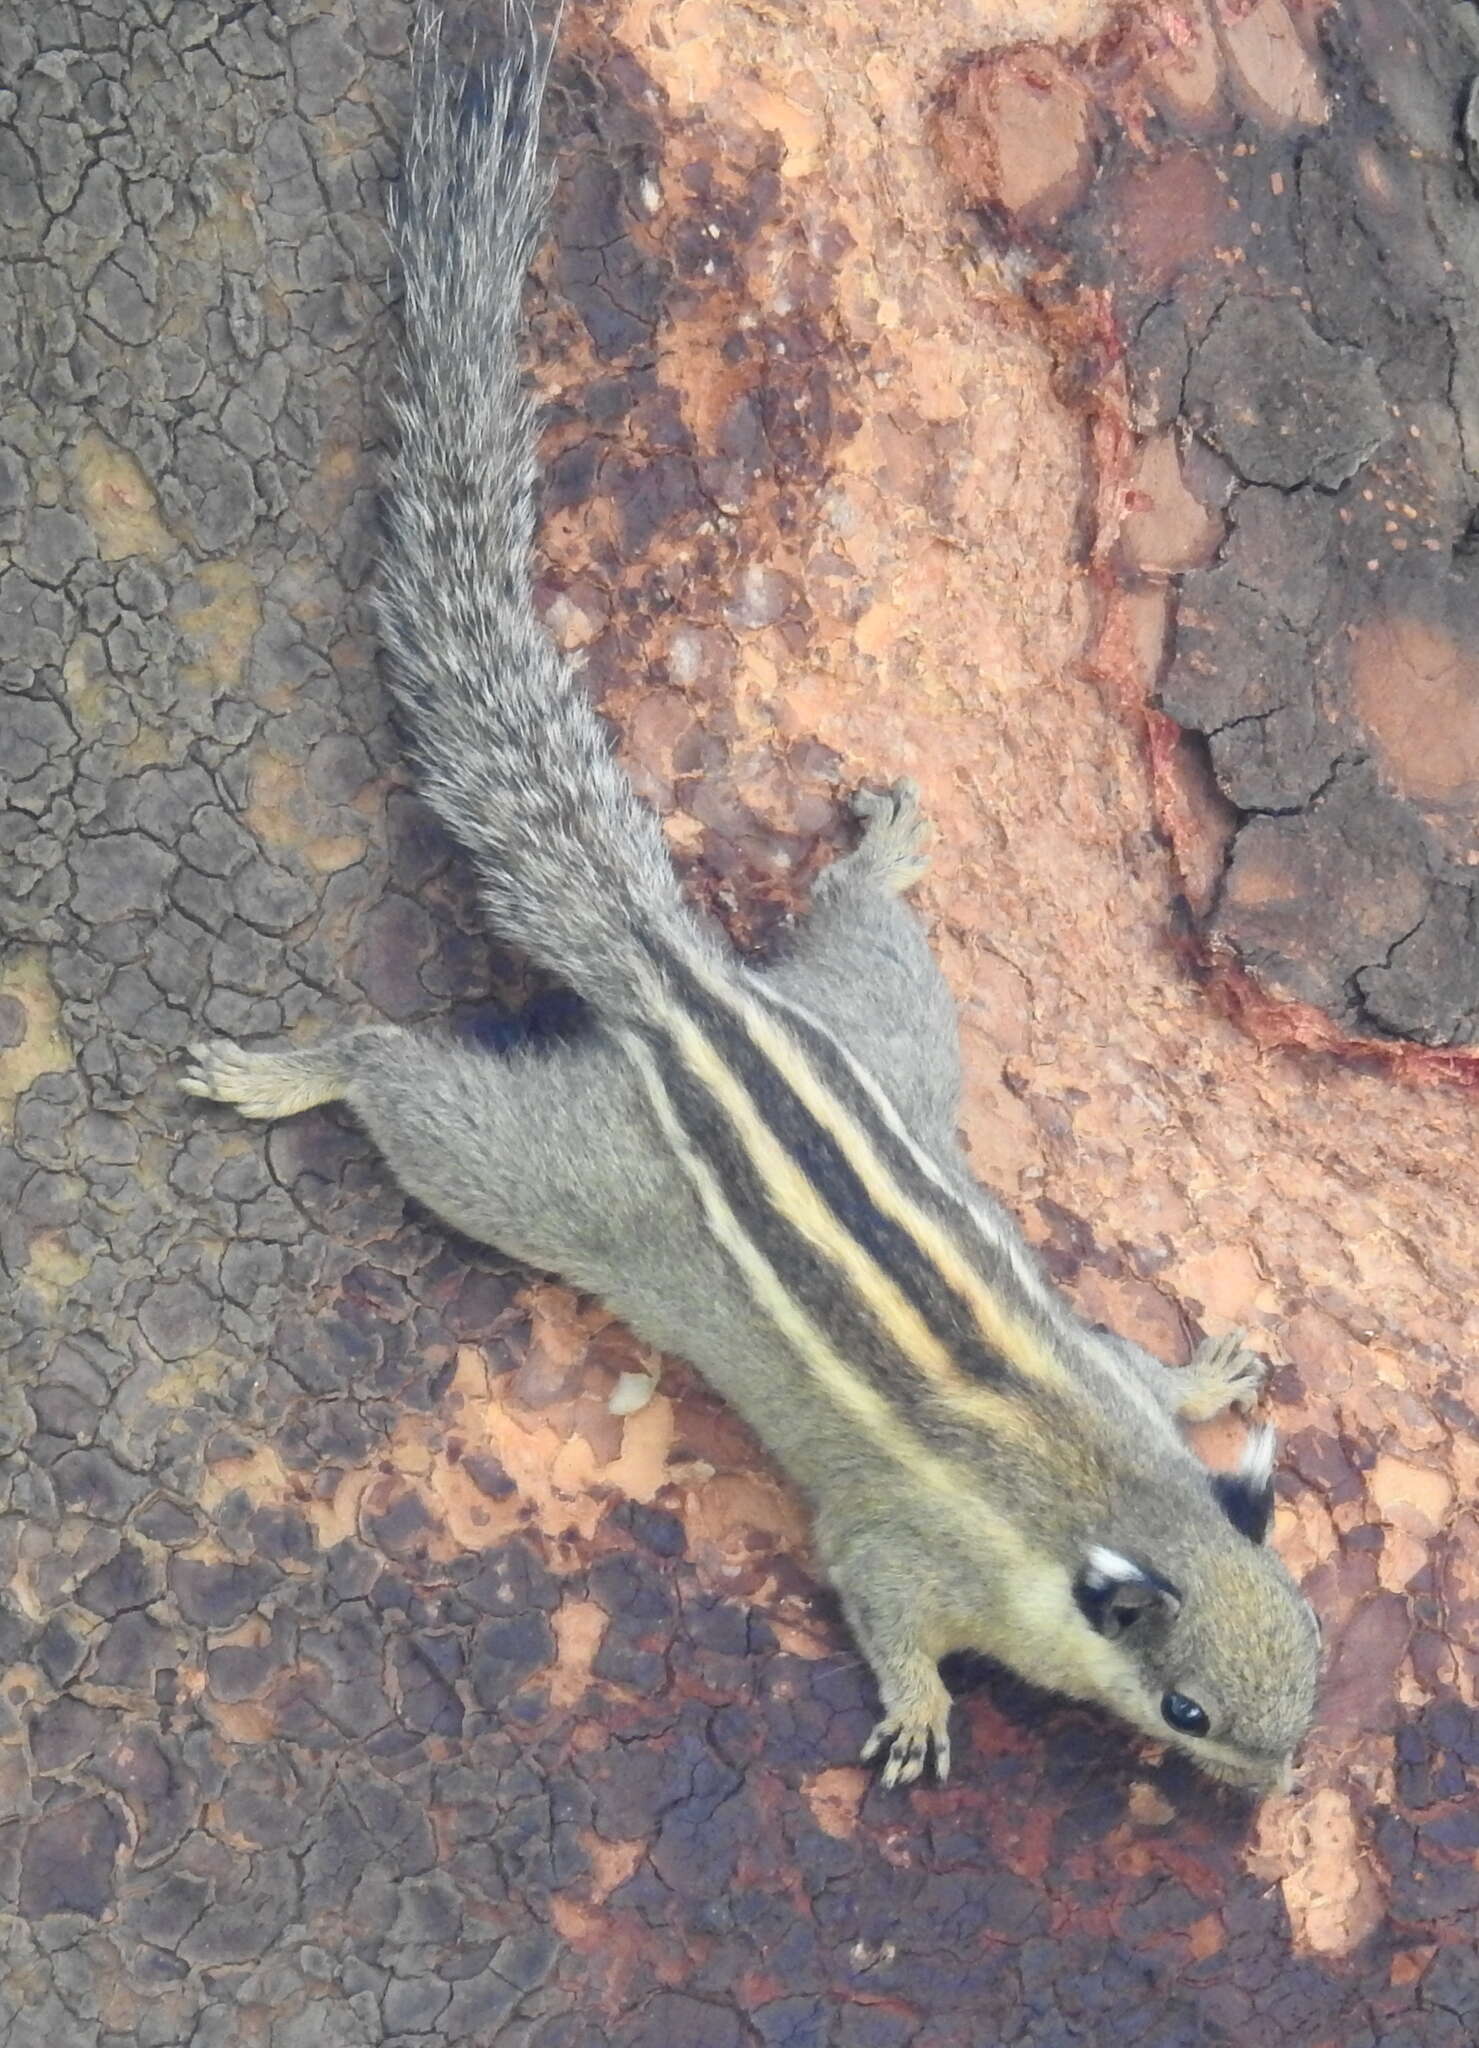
[(367, 1679), (1282, 236)]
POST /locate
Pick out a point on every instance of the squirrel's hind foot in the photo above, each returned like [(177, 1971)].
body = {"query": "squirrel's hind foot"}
[(891, 849), (262, 1084)]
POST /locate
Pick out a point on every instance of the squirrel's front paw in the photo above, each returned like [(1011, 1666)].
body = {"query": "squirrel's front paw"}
[(912, 1737), (1222, 1374)]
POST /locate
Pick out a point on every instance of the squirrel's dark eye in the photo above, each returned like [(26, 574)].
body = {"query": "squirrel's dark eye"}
[(1184, 1715)]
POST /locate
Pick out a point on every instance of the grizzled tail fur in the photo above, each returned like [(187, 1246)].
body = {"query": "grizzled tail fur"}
[(508, 748)]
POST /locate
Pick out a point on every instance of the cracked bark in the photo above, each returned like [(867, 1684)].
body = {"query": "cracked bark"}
[(367, 1680), (1313, 334)]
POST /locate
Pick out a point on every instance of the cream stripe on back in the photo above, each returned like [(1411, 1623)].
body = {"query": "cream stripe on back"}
[(1023, 1270), (1033, 1590), (795, 1198), (1021, 1264), (1006, 1333), (873, 1413)]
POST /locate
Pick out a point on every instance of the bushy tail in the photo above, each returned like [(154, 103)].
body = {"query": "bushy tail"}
[(509, 750)]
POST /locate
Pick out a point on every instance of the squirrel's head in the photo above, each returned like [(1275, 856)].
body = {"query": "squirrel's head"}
[(1218, 1652)]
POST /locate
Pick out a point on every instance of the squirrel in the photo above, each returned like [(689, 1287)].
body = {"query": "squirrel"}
[(756, 1165)]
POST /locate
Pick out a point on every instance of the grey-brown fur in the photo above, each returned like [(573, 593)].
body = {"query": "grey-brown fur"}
[(509, 751), (1077, 1537)]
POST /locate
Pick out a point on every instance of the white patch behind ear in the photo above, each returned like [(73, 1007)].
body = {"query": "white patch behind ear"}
[(1110, 1566), (1256, 1466), (1114, 1593)]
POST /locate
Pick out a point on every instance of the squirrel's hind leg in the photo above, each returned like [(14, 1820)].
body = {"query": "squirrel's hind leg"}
[(890, 850), (859, 962), (546, 1154), (278, 1079)]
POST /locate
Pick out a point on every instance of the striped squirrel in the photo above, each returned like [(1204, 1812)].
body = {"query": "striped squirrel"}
[(756, 1165)]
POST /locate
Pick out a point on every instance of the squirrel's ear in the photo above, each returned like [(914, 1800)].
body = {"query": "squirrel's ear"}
[(1114, 1594), (1247, 1494)]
